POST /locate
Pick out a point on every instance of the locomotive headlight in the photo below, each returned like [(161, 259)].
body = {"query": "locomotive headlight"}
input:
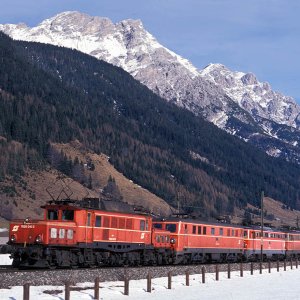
[(38, 239), (172, 241), (13, 238)]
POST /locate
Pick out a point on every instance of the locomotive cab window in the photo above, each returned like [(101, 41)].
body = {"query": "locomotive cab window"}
[(88, 221), (68, 215), (221, 231), (98, 221), (52, 214), (199, 229), (171, 227), (212, 231), (194, 229), (142, 225), (157, 225)]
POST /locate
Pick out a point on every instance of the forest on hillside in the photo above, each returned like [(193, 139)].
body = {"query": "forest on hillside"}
[(51, 94)]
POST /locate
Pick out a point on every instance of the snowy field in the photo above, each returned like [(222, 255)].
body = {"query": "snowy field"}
[(5, 260), (3, 240), (282, 285)]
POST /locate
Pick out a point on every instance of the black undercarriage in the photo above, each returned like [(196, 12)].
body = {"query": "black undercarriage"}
[(96, 255), (61, 257)]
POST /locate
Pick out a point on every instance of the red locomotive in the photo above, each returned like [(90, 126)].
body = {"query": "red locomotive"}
[(201, 242), (204, 242), (273, 244), (75, 234), (71, 236)]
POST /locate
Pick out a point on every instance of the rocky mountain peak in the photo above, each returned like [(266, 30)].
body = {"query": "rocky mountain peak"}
[(131, 23), (73, 22), (213, 67), (249, 79), (255, 97), (227, 98)]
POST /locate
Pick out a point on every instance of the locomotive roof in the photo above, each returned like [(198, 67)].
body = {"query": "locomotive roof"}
[(221, 224), (79, 204), (198, 221)]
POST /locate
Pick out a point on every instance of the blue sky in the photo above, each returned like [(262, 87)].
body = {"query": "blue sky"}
[(259, 36)]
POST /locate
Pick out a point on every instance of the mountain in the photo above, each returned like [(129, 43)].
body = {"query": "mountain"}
[(255, 97), (234, 101), (52, 94), (23, 196)]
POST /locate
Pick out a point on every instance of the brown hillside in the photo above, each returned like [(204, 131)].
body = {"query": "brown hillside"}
[(282, 216), (23, 198), (131, 192), (275, 214)]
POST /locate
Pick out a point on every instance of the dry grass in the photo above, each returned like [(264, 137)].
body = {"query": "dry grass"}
[(31, 191), (131, 192), (282, 217), (30, 196)]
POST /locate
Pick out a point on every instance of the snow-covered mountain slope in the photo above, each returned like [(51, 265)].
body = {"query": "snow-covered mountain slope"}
[(254, 96), (234, 101), (127, 45)]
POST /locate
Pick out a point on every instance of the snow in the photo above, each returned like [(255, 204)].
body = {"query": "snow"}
[(274, 152), (3, 229), (3, 240), (210, 68), (253, 95), (219, 119), (277, 285), (5, 260), (108, 45)]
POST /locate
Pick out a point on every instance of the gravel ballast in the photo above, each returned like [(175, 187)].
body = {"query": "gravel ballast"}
[(59, 277)]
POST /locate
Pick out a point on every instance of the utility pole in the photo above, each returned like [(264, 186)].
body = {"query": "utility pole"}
[(178, 202), (262, 225)]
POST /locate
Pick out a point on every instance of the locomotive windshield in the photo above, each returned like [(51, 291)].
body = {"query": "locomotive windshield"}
[(157, 225), (68, 215), (171, 227), (52, 214)]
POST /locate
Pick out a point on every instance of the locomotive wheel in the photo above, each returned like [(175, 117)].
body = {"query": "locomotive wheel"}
[(52, 267), (159, 259), (74, 266)]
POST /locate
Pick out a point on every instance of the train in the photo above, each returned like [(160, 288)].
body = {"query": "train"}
[(74, 234)]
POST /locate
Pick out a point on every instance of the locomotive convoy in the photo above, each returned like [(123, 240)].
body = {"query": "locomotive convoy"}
[(78, 234)]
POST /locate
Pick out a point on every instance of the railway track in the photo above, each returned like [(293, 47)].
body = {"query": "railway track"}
[(208, 266), (11, 269), (11, 276)]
